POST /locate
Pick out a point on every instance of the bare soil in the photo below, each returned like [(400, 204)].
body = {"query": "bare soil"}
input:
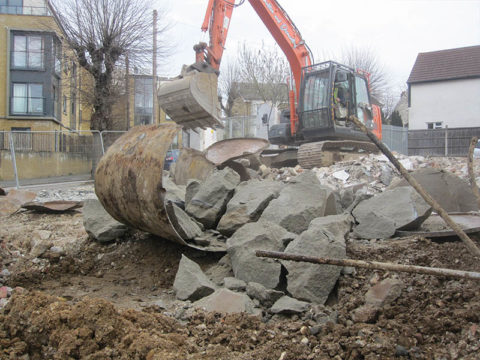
[(84, 300)]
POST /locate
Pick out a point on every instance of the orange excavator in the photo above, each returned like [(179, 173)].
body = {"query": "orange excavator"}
[(322, 96)]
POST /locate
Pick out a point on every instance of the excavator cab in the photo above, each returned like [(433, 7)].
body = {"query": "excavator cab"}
[(329, 94)]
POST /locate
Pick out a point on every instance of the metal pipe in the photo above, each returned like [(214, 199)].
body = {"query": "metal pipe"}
[(14, 159)]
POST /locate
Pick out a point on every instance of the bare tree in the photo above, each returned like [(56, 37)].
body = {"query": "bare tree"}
[(101, 33), (267, 70), (365, 59), (228, 86)]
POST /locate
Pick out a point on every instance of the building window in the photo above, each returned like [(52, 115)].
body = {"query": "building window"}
[(64, 104), (55, 100), (434, 125), (143, 101), (27, 99), (58, 57), (11, 6), (28, 52)]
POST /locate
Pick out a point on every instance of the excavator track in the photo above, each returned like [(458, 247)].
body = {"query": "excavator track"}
[(326, 153)]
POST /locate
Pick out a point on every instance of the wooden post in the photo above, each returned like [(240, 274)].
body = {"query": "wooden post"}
[(446, 140), (473, 182), (127, 91), (375, 265), (416, 185)]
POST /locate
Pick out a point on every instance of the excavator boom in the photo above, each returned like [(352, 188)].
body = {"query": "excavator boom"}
[(191, 99)]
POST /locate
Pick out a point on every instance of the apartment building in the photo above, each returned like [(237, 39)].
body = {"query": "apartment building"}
[(40, 80)]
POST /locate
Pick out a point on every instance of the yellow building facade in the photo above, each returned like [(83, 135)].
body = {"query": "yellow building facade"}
[(40, 80)]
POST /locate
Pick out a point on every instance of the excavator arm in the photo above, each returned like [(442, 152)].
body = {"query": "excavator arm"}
[(191, 100), (281, 27)]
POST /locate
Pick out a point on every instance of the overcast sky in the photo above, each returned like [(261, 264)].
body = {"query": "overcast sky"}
[(395, 30)]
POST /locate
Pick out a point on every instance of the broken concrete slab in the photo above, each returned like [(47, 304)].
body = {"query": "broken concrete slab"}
[(234, 284), (210, 201), (174, 193), (452, 193), (192, 188), (190, 281), (288, 305), (383, 293), (401, 208), (99, 224), (185, 226), (13, 201), (262, 235), (226, 301), (266, 297), (247, 204), (324, 238), (301, 201)]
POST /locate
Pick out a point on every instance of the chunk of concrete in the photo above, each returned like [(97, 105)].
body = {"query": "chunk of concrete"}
[(209, 202), (301, 201), (192, 188), (186, 227), (383, 293), (241, 247), (234, 284), (401, 208), (99, 224), (265, 296), (190, 282), (452, 193), (174, 193), (13, 201), (325, 237), (226, 301), (288, 305), (247, 204)]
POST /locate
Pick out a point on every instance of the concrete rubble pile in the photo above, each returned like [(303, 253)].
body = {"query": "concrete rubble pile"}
[(292, 210)]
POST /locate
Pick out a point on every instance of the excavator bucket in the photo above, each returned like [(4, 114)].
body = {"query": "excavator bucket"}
[(191, 100)]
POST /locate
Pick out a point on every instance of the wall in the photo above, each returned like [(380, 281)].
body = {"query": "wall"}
[(455, 103), (43, 164)]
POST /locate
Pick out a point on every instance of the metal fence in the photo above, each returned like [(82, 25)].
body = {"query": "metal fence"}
[(441, 142), (240, 126), (38, 157), (396, 138)]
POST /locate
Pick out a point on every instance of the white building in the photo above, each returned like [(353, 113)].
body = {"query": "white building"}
[(444, 89)]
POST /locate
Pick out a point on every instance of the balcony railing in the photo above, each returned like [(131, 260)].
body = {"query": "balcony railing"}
[(25, 10)]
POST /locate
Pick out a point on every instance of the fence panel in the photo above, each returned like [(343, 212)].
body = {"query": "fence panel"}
[(240, 126), (396, 138), (48, 156), (441, 142)]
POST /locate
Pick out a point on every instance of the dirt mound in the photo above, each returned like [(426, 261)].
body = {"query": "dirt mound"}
[(46, 327)]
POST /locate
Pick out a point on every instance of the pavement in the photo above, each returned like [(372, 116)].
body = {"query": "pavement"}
[(51, 181)]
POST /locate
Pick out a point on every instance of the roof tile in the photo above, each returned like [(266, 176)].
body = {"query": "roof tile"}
[(448, 64)]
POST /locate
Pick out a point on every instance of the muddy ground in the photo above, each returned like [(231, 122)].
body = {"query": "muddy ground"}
[(84, 300)]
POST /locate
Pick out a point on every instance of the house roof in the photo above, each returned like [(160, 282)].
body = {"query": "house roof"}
[(251, 92), (451, 64)]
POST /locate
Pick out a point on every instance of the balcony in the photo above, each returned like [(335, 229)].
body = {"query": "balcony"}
[(25, 10)]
